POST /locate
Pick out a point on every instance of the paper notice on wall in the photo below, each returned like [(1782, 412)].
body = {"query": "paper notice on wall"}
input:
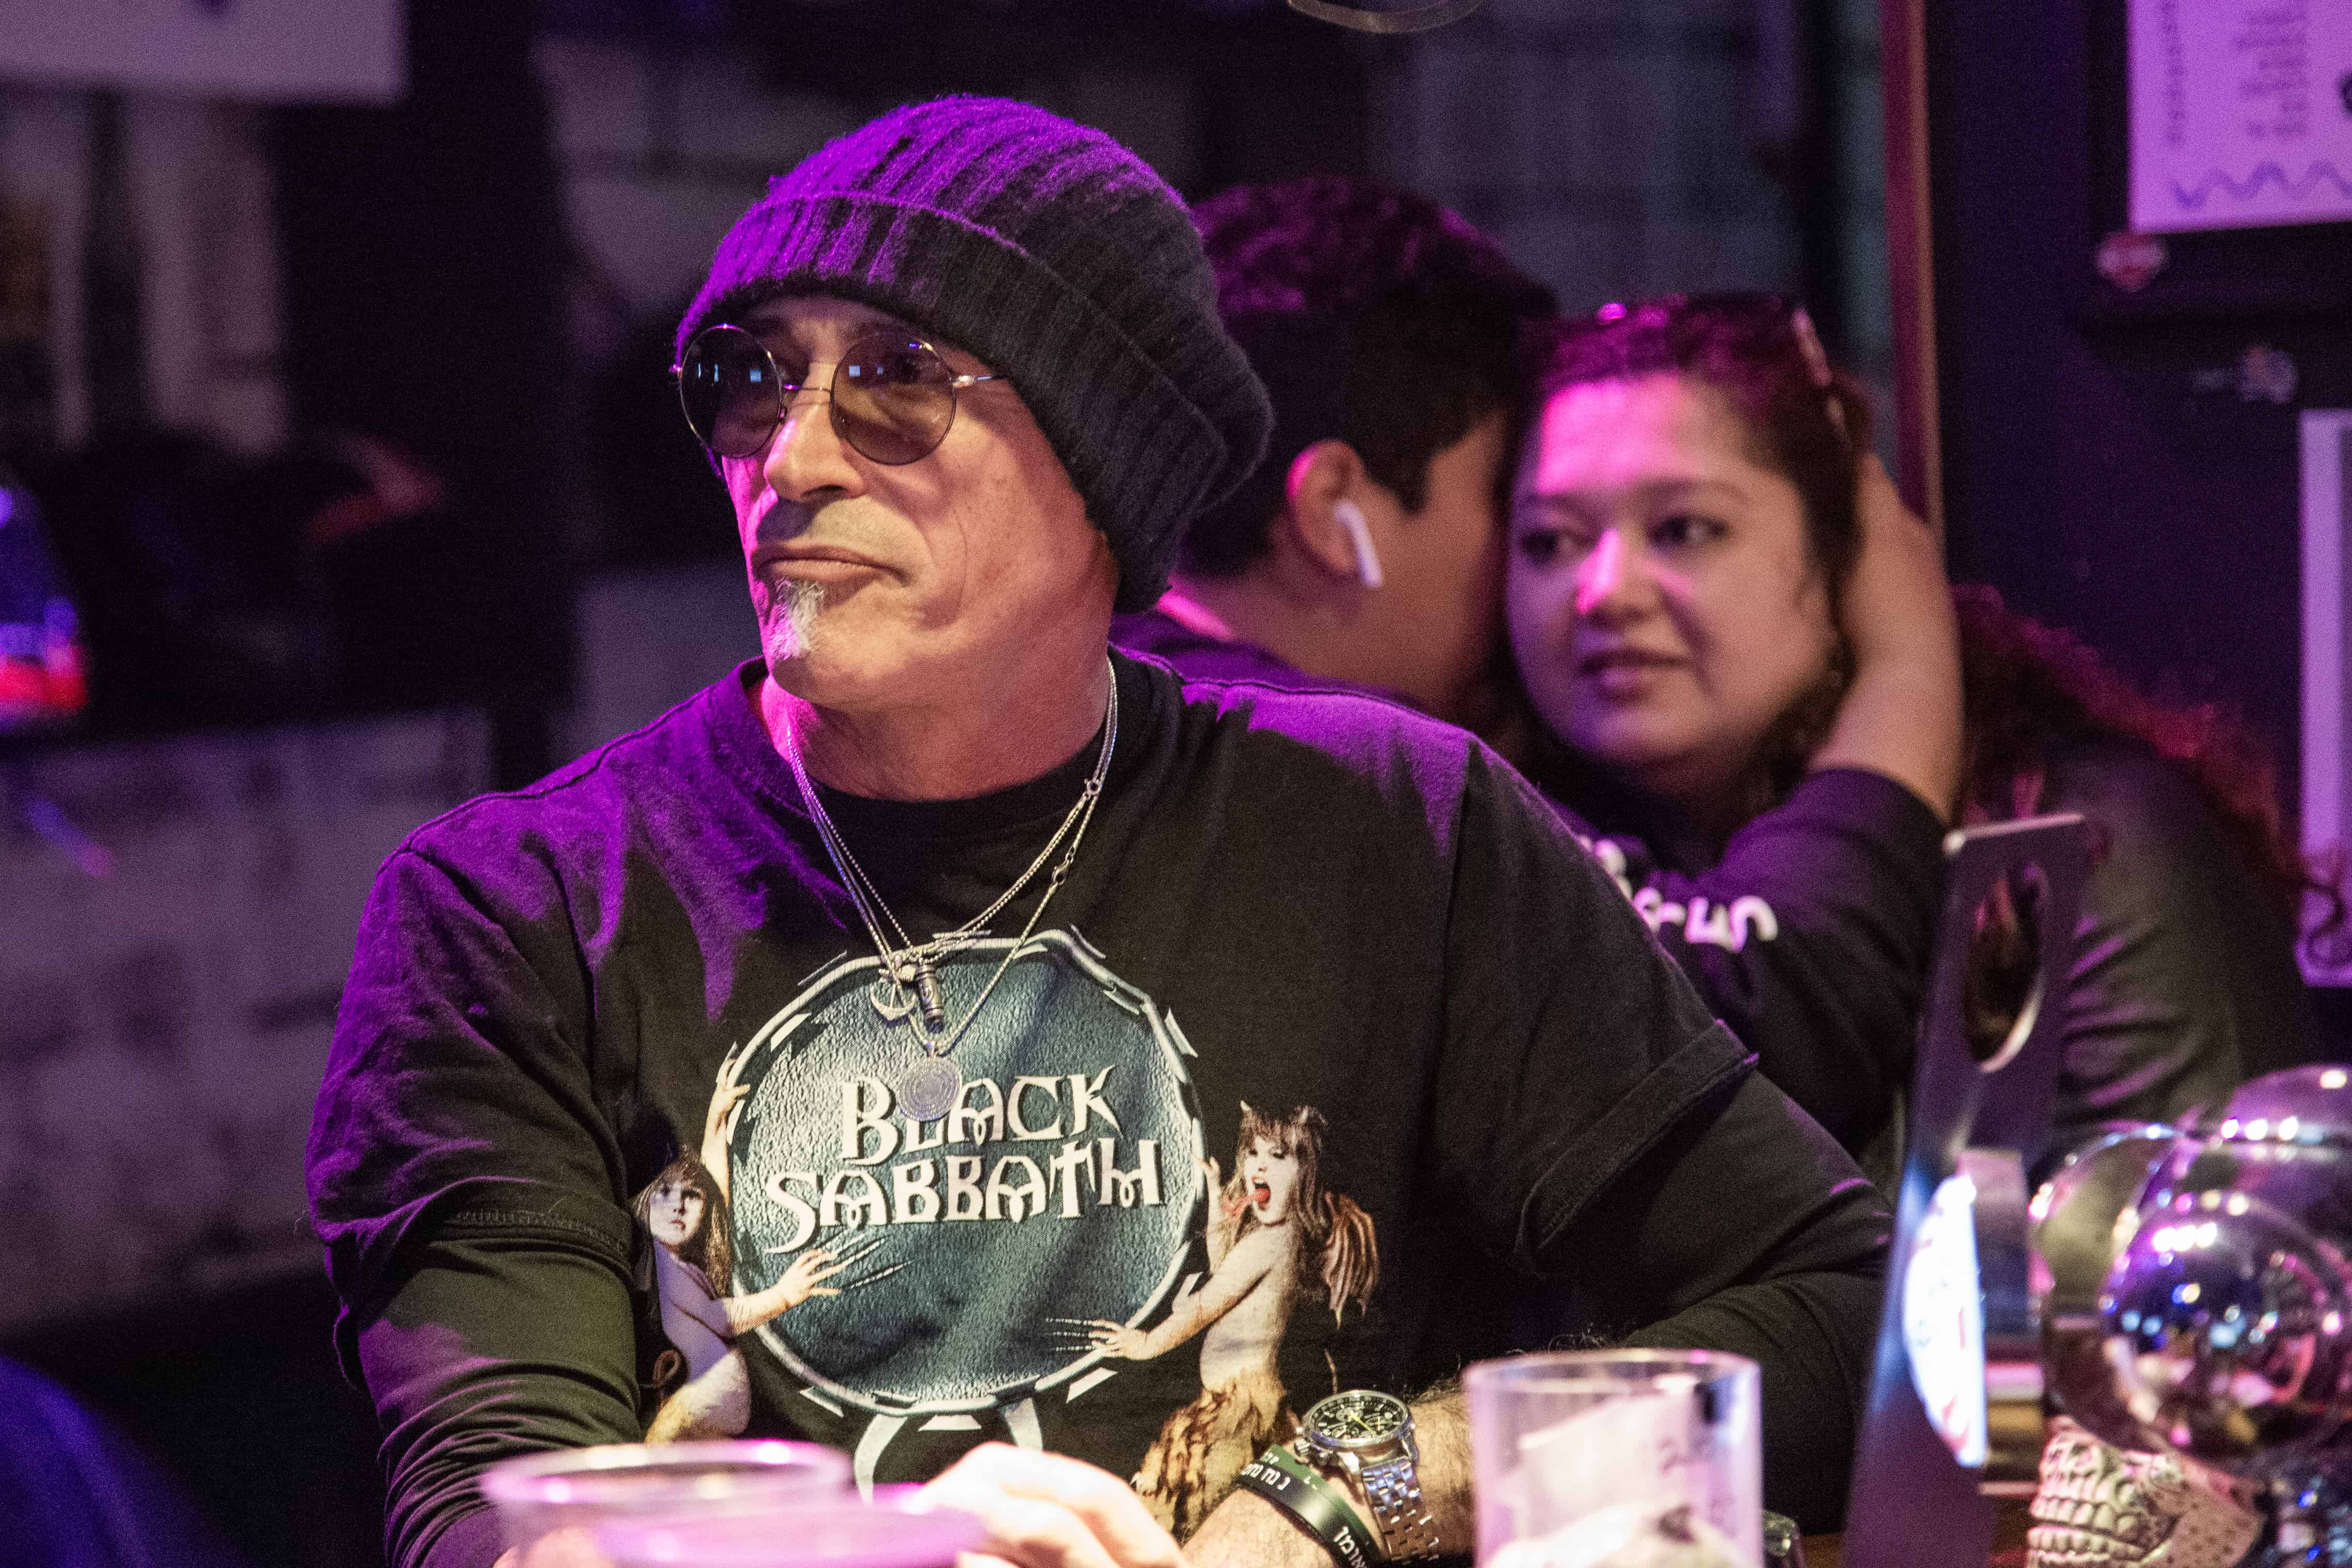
[(333, 51), (2240, 113), (2327, 670)]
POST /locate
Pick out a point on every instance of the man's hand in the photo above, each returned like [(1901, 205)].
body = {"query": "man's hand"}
[(1045, 1511)]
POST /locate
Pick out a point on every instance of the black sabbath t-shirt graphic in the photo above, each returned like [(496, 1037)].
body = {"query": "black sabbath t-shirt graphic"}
[(1277, 1241), (1046, 1233)]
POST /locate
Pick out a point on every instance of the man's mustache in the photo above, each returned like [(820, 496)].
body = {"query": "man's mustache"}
[(788, 522)]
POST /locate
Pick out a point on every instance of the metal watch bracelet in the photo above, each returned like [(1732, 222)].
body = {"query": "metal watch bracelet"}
[(1285, 1481), (1408, 1530)]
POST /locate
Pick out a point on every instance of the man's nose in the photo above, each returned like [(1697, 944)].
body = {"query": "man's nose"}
[(1603, 574), (806, 456)]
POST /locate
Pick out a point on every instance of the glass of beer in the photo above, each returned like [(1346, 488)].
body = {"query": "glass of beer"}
[(1589, 1457), (587, 1488)]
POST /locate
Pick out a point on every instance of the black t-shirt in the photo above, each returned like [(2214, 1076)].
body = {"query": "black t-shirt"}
[(1330, 1019), (1811, 937)]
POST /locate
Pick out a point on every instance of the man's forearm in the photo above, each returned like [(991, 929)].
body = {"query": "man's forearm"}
[(1247, 1531), (1441, 1421)]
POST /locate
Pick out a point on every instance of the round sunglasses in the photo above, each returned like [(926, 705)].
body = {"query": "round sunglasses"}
[(892, 397)]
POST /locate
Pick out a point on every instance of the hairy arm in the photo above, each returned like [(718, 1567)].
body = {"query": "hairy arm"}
[(1247, 1531)]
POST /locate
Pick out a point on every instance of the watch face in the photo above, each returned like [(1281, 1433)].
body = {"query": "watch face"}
[(1357, 1418)]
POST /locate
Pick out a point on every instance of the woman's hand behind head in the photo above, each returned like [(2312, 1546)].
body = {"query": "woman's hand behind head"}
[(1901, 717)]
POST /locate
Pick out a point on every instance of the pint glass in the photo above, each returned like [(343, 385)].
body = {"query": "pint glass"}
[(1589, 1459)]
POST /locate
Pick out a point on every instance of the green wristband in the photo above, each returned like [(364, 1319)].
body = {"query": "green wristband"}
[(1284, 1479)]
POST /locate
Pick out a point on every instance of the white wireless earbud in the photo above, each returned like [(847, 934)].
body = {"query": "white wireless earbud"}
[(1350, 516)]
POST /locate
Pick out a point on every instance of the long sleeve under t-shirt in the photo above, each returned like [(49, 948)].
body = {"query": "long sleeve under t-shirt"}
[(1333, 1022)]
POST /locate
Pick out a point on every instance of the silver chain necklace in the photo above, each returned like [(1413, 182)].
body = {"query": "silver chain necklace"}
[(907, 989)]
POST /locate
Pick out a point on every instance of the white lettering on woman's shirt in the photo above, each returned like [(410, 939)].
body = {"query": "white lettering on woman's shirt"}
[(1727, 927)]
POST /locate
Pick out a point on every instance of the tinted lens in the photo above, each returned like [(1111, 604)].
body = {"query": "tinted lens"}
[(730, 390), (892, 398)]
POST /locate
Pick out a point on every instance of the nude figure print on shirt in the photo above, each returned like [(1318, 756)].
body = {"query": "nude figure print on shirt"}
[(685, 1208), (1275, 1237)]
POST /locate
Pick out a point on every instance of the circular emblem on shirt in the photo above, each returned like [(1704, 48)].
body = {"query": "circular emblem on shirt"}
[(969, 1252)]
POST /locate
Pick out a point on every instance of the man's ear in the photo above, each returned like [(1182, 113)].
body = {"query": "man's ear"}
[(1320, 479)]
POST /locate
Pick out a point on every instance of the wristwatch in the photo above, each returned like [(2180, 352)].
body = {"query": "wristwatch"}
[(1368, 1435)]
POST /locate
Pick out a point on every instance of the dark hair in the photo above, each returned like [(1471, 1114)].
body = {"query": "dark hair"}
[(1797, 417), (2028, 686), (1374, 317)]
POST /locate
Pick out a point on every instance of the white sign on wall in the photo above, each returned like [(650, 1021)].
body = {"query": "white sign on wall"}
[(2240, 113), (340, 50), (2327, 657)]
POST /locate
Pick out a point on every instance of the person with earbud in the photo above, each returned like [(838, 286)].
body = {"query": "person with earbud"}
[(1365, 549), (1350, 517), (1368, 547)]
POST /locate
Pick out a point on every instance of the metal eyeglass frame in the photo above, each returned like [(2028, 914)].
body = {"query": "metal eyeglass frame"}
[(788, 392)]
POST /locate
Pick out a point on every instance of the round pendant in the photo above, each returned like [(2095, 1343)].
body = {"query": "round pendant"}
[(930, 1090)]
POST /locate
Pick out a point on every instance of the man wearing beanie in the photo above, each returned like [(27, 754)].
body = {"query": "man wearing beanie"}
[(948, 1039)]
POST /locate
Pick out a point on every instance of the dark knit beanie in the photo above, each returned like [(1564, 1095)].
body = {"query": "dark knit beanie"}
[(1061, 261)]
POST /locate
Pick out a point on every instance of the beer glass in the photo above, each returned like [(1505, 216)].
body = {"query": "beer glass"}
[(1587, 1458)]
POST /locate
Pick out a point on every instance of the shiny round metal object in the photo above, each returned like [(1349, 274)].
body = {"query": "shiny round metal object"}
[(2221, 1329), (2076, 1218), (2226, 1324), (2303, 1106)]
